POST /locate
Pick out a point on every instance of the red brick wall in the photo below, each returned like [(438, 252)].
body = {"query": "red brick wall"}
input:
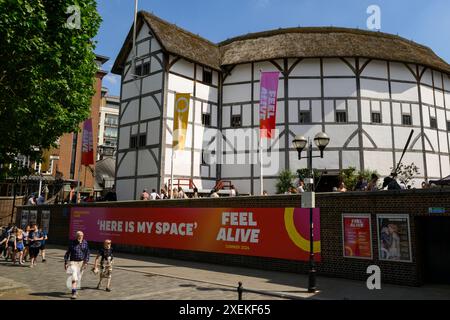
[(332, 206)]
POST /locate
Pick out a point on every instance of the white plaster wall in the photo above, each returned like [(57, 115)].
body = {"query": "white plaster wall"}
[(240, 73), (257, 87), (304, 88), (350, 159), (146, 163), (434, 171), (183, 67), (336, 67), (131, 89), (126, 168), (306, 68), (339, 87), (381, 135), (400, 72), (237, 93), (125, 190), (404, 91), (377, 89), (378, 160), (148, 183), (376, 69)]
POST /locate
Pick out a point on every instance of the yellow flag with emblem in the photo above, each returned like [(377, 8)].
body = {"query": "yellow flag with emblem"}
[(180, 120)]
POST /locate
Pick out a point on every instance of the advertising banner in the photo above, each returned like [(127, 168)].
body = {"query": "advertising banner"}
[(32, 219), (87, 151), (264, 232), (180, 120), (268, 103), (394, 238), (45, 220), (357, 236), (24, 219)]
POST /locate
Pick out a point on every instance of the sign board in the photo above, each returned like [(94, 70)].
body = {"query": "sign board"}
[(264, 232), (357, 236), (394, 237)]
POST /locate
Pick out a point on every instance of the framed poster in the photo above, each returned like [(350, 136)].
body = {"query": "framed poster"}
[(24, 219), (32, 219), (357, 236), (394, 237), (45, 220)]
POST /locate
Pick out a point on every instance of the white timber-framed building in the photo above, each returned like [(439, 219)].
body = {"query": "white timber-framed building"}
[(366, 90)]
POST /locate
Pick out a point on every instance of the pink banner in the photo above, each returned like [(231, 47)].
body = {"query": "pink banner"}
[(268, 103), (87, 151)]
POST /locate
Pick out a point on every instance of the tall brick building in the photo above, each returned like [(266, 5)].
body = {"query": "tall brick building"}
[(64, 162)]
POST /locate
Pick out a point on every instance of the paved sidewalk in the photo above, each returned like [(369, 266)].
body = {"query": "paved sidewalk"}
[(144, 277)]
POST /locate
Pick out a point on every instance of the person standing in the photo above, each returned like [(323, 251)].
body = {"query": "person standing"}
[(233, 192), (11, 253), (41, 199), (32, 200), (19, 246), (35, 239), (26, 241), (154, 195), (106, 255), (44, 240), (145, 196), (77, 258)]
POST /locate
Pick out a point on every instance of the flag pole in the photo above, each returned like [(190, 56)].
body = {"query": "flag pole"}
[(261, 178), (171, 174)]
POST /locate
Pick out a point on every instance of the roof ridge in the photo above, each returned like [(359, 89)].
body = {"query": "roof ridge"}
[(152, 16), (318, 29)]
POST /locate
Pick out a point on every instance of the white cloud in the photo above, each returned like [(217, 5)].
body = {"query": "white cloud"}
[(111, 79)]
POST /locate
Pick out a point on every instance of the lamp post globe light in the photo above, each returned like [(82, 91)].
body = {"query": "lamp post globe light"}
[(321, 140)]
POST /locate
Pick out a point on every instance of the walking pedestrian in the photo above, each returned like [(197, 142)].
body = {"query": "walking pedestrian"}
[(106, 255), (26, 242), (76, 258), (11, 251), (44, 240), (19, 246), (35, 239)]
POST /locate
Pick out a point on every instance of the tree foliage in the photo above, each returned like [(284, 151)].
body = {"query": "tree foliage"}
[(350, 176), (285, 181), (46, 73), (406, 173)]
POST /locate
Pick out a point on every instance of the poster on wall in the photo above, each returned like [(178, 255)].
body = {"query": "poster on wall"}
[(357, 236), (263, 232), (394, 238), (45, 220), (32, 219), (24, 219)]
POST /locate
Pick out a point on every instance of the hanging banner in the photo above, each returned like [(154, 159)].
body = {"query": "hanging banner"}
[(394, 237), (357, 236), (180, 120), (268, 103), (87, 150), (263, 232)]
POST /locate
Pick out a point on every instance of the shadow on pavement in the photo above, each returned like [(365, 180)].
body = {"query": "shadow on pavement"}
[(51, 294)]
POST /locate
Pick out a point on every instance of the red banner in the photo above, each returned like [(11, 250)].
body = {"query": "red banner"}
[(264, 232), (87, 150), (357, 236), (268, 103)]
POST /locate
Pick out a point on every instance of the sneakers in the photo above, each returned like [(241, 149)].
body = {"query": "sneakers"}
[(108, 289), (44, 260), (74, 296)]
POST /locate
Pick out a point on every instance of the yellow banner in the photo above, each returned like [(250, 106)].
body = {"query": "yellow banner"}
[(180, 120)]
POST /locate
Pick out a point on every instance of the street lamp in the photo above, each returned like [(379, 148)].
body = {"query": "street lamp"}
[(300, 142)]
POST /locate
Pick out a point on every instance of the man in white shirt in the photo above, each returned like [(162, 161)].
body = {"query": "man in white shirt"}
[(154, 195)]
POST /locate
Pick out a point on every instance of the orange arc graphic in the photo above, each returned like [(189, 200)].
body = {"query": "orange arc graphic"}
[(295, 236)]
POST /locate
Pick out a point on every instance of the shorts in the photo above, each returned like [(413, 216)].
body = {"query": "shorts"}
[(34, 252), (42, 247), (20, 247)]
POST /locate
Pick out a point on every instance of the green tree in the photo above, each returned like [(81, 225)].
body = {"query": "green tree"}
[(350, 176), (47, 72), (285, 181)]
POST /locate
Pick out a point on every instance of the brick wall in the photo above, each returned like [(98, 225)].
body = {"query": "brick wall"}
[(332, 206)]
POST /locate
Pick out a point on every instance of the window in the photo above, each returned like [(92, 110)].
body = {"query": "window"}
[(205, 158), (236, 121), (133, 142), (406, 120), (138, 70), (376, 117), (448, 125), (206, 120), (146, 69), (341, 116), (304, 117), (142, 140), (207, 76), (433, 123)]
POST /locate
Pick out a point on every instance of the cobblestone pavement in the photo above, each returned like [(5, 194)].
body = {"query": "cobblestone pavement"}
[(48, 281)]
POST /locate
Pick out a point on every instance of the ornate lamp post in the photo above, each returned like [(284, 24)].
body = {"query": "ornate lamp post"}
[(300, 142)]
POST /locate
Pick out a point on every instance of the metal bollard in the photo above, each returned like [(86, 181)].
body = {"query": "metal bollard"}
[(240, 289)]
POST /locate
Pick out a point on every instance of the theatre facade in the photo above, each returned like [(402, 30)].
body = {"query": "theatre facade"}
[(366, 90)]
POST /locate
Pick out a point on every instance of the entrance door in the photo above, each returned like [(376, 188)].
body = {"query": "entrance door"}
[(436, 245)]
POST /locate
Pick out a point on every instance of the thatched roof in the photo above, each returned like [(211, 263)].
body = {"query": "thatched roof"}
[(287, 43)]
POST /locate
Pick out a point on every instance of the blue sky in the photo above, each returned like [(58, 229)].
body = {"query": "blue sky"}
[(425, 22)]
